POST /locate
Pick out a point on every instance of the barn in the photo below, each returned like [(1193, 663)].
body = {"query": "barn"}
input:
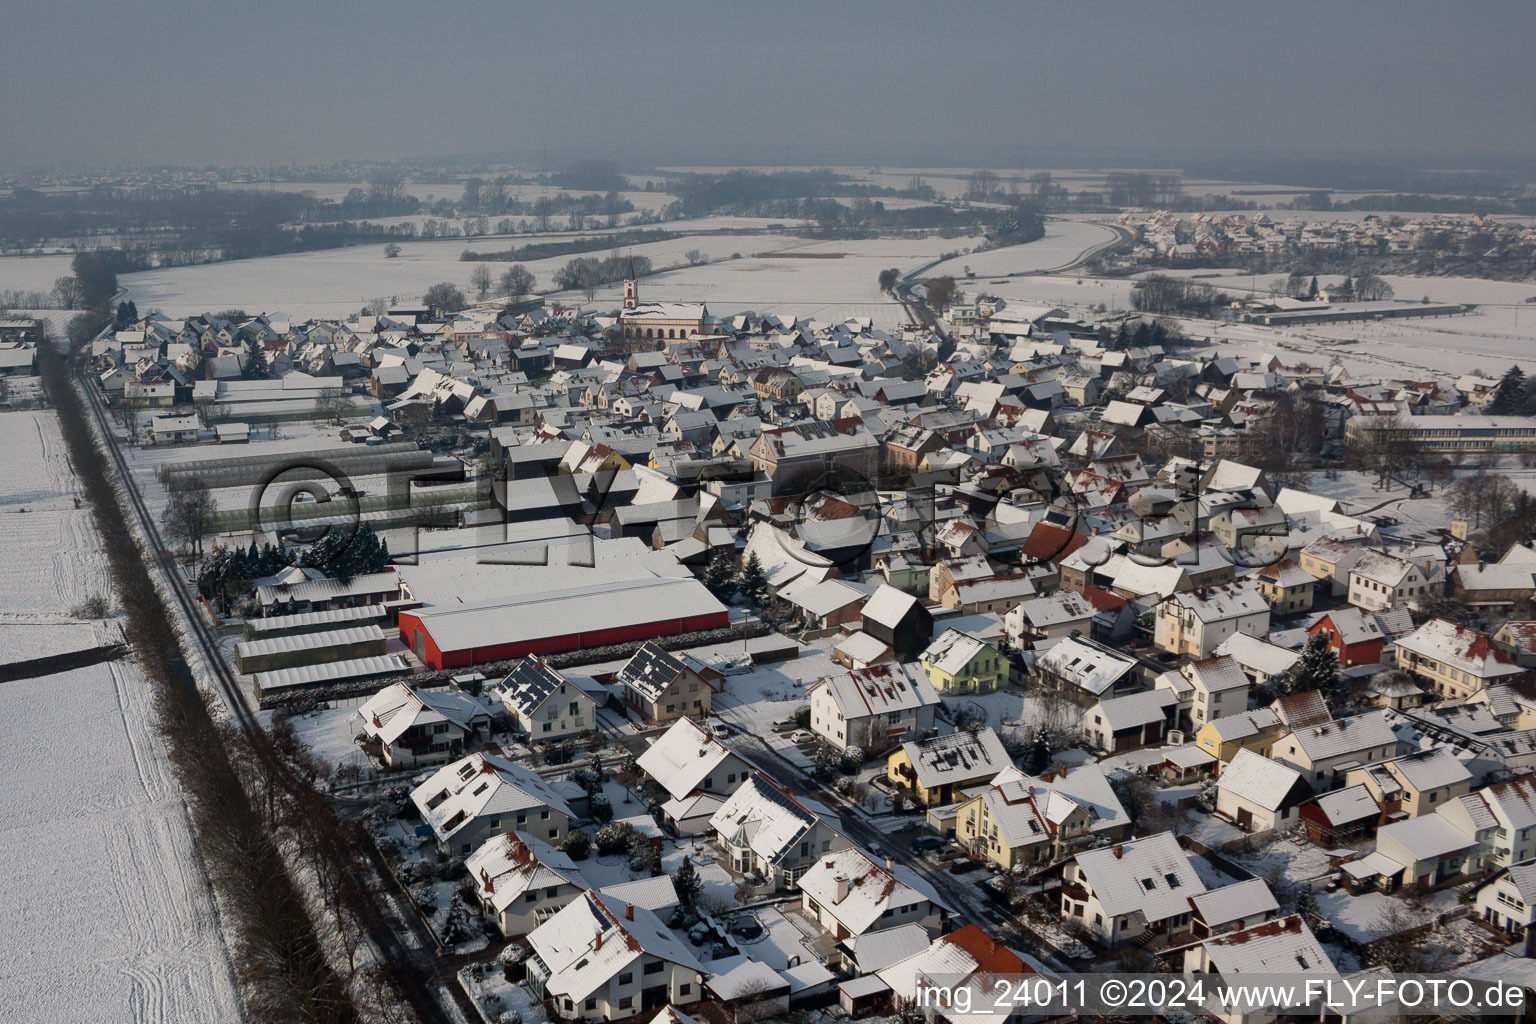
[(550, 621)]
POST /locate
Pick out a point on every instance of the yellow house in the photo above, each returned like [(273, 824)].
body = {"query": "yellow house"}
[(1024, 820), (934, 770), (1414, 784), (1254, 730), (958, 662)]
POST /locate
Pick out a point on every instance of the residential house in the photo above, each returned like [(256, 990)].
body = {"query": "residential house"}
[(521, 881), (768, 834), (958, 663), (484, 795), (1331, 559), (1018, 819), (1273, 951), (1136, 720), (898, 620), (1413, 784), (849, 895), (873, 708), (1255, 731), (1340, 817), (1355, 636), (1233, 907), (1121, 892), (1040, 618), (1193, 623), (1087, 670), (419, 727), (1501, 817), (1207, 690), (1261, 661), (660, 686), (1259, 794), (1326, 753), (1425, 851), (933, 770), (685, 759), (543, 704), (1379, 581), (1286, 586), (601, 958), (1507, 901), (1455, 660)]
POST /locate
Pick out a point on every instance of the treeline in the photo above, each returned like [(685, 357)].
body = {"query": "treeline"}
[(588, 273), (160, 225), (776, 194), (1163, 295), (546, 250)]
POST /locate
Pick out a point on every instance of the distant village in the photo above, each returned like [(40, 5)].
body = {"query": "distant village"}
[(722, 668)]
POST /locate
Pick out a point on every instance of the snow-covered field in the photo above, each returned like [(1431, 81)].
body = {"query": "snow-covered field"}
[(338, 282), (32, 273), (1064, 242), (822, 289), (109, 917)]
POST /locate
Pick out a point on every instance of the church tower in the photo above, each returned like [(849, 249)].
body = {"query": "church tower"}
[(631, 289)]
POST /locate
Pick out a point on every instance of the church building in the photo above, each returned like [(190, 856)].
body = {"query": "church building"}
[(658, 321)]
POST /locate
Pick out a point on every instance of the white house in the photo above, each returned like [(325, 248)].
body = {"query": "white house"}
[(685, 759), (1259, 794), (600, 958), (873, 708), (484, 795), (1121, 892), (1325, 753), (848, 894), (1508, 902), (1379, 581), (1194, 622), (415, 727), (521, 881), (766, 832), (1264, 952), (543, 704)]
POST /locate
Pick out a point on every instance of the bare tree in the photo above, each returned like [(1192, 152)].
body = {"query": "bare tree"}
[(334, 405), (69, 292), (444, 298), (391, 250), (939, 292), (517, 281), (480, 280), (190, 514), (694, 257)]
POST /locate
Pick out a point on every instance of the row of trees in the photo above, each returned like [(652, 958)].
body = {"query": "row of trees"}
[(589, 273), (1164, 295)]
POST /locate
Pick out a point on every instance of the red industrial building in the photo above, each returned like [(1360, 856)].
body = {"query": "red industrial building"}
[(548, 622)]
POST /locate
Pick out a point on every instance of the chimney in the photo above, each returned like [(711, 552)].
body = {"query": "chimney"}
[(597, 943), (839, 888), (890, 863), (1119, 852), (629, 911)]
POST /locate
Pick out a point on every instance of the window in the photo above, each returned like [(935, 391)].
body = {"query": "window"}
[(532, 897), (654, 967), (575, 709), (591, 1003), (626, 1002), (684, 988), (627, 978)]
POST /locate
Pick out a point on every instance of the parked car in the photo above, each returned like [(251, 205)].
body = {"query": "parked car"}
[(929, 842), (801, 736), (964, 867)]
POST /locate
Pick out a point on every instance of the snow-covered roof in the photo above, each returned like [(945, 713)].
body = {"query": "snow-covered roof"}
[(1239, 901), (532, 682), (953, 650), (1426, 837), (1134, 709), (1151, 876), (1258, 780), (958, 757), (766, 819), (481, 784), (1347, 805), (683, 757), (856, 891), (1345, 736), (399, 706), (878, 690), (1286, 946), (507, 867), (1459, 647), (1091, 667), (594, 937)]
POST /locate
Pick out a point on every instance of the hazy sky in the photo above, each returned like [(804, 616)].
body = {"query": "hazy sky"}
[(726, 82)]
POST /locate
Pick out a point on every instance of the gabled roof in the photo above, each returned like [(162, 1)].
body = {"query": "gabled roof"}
[(870, 890), (1236, 902), (953, 651), (1258, 780), (506, 867), (957, 757), (1460, 647), (399, 706), (595, 936), (766, 819), (1345, 736), (651, 670), (877, 690), (1286, 946), (888, 606), (532, 682), (482, 784), (1151, 876), (683, 757)]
